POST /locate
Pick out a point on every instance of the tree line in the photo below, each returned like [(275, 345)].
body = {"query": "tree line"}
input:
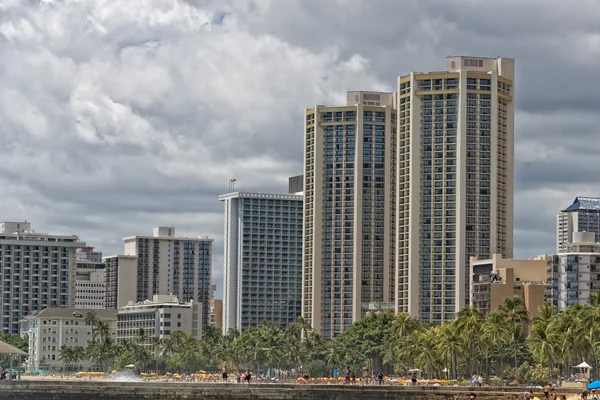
[(506, 343)]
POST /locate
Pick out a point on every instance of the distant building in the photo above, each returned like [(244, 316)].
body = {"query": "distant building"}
[(296, 184), (52, 328), (263, 259), (37, 270), (581, 216), (121, 280), (159, 318), (496, 279), (171, 265), (576, 270), (90, 283), (216, 311)]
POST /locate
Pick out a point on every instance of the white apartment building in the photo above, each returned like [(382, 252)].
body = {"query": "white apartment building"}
[(37, 271), (455, 183), (575, 272), (121, 274), (90, 282), (263, 259), (581, 216), (171, 265), (50, 329), (159, 318), (349, 210)]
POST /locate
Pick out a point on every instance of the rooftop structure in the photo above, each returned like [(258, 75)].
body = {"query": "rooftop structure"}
[(581, 216)]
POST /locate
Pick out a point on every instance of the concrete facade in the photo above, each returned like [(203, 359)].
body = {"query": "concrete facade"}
[(90, 279), (575, 271), (496, 279), (159, 318), (121, 280), (455, 180), (263, 259), (38, 271), (52, 328), (349, 210), (171, 265)]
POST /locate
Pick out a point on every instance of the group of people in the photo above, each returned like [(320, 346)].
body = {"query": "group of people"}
[(589, 395), (246, 376)]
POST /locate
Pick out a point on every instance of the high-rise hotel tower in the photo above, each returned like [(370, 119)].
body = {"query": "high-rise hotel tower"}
[(349, 190), (454, 180)]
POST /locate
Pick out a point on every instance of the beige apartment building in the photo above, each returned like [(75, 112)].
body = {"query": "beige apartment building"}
[(454, 180), (496, 279), (349, 210), (121, 277)]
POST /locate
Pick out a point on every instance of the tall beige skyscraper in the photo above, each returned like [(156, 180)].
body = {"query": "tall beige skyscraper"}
[(454, 180), (349, 188)]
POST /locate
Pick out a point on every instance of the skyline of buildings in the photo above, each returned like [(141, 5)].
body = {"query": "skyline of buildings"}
[(402, 194)]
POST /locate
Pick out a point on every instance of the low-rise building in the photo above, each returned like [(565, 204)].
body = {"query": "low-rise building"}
[(50, 329), (496, 279), (159, 318)]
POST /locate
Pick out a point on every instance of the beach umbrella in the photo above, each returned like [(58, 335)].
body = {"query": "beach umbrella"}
[(594, 385)]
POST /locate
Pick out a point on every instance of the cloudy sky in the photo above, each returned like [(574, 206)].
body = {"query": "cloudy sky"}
[(120, 115)]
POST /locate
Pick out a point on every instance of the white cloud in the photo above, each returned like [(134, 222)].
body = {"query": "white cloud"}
[(119, 115)]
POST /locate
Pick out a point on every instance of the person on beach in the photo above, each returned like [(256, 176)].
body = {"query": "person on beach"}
[(473, 396), (380, 377), (224, 374), (347, 375), (547, 391), (414, 379), (248, 375)]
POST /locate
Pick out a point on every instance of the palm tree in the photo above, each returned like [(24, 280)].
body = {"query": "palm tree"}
[(468, 323), (496, 334), (66, 356), (517, 315), (91, 319), (450, 345), (102, 330), (403, 327)]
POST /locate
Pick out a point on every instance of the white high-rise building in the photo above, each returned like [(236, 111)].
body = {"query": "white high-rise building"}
[(263, 259), (455, 180), (37, 271), (171, 265), (581, 216)]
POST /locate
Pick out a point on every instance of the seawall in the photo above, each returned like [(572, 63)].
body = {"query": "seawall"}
[(90, 390)]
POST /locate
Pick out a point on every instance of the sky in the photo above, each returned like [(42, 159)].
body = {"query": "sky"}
[(117, 116)]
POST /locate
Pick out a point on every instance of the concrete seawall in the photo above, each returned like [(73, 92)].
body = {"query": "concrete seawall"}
[(89, 390)]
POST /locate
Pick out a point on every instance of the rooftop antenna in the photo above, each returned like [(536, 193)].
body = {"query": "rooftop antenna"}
[(232, 185)]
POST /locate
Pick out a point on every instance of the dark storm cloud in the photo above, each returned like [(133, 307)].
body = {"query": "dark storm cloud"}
[(119, 116)]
